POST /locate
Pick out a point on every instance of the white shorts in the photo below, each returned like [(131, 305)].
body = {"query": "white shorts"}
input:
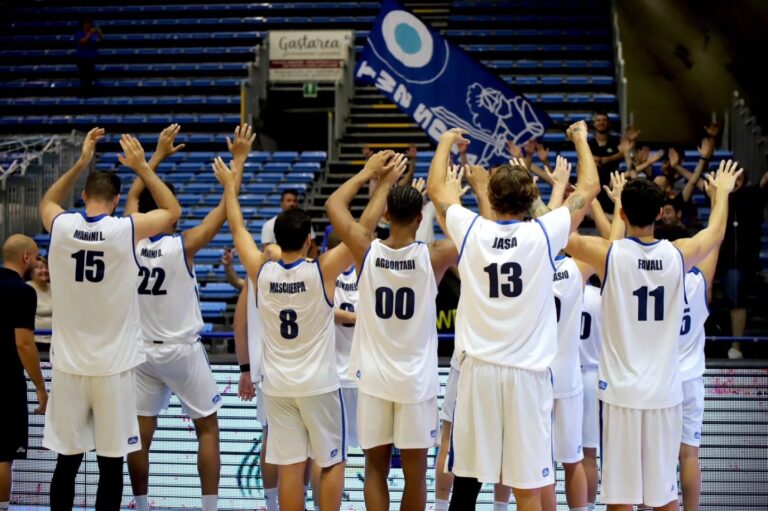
[(407, 426), (449, 400), (502, 429), (639, 455), (181, 368), (590, 424), (306, 427), (92, 412), (261, 409), (349, 395), (566, 432), (693, 411)]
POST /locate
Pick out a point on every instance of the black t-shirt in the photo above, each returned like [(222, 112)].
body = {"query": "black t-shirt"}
[(18, 303), (611, 148), (741, 245)]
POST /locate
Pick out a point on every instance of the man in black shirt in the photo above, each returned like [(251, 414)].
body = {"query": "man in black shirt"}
[(671, 226), (18, 352), (605, 149), (740, 252)]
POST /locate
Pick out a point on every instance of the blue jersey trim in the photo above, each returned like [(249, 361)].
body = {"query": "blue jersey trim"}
[(549, 245), (184, 255), (50, 238), (362, 265), (157, 237), (605, 276), (682, 268), (643, 243), (256, 285), (133, 242), (706, 287), (322, 283), (288, 266), (92, 219), (349, 270), (560, 257), (600, 421), (464, 241), (343, 427), (450, 447), (507, 222)]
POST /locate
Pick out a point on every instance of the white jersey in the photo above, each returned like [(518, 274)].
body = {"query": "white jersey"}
[(642, 304), (168, 297), (254, 332), (394, 353), (569, 296), (345, 298), (506, 314), (589, 350), (297, 330), (426, 231), (692, 335), (96, 329)]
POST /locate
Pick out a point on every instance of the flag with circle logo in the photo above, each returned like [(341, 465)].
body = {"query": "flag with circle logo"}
[(440, 86)]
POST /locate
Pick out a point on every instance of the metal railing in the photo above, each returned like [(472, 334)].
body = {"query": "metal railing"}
[(345, 89), (749, 145), (253, 90), (28, 167), (620, 69)]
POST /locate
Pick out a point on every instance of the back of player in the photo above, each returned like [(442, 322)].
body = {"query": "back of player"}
[(394, 353), (639, 378), (96, 336), (171, 322), (692, 364), (254, 349), (346, 298), (566, 371), (589, 353), (299, 379), (506, 329)]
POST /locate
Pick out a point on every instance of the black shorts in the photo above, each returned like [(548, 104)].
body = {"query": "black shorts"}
[(14, 442)]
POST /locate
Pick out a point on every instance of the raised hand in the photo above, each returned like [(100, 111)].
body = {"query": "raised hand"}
[(165, 141), (419, 184), (618, 181), (707, 147), (519, 162), (543, 154), (243, 140), (394, 169), (562, 173), (453, 181), (477, 177), (626, 145), (530, 147), (577, 131), (227, 256), (656, 156), (725, 177), (89, 144), (133, 153), (224, 175), (674, 157), (643, 154), (712, 129), (514, 149), (632, 134), (455, 136), (710, 188), (377, 161)]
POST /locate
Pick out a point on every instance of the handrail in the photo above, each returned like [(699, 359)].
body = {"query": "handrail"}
[(621, 79), (749, 145)]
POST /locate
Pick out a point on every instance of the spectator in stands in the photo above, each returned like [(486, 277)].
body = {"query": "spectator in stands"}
[(229, 270), (740, 251), (367, 151), (289, 199), (671, 226), (41, 283), (87, 41), (605, 150)]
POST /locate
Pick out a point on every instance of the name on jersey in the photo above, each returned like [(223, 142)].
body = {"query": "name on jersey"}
[(408, 264), (504, 243), (561, 275), (288, 288), (649, 264), (346, 286), (151, 253), (88, 235)]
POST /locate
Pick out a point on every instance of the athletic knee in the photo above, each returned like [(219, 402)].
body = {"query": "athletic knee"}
[(206, 426)]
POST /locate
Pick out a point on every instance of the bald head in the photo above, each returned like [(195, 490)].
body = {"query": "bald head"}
[(20, 254)]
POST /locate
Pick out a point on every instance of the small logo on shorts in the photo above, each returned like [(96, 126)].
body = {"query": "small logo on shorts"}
[(358, 374), (697, 435), (603, 385), (334, 453), (21, 450), (216, 398), (133, 440), (578, 449), (544, 472), (433, 433)]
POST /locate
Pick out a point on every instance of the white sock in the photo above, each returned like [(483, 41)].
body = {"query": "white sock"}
[(270, 496), (142, 504), (441, 505), (500, 506), (210, 502), (5, 505)]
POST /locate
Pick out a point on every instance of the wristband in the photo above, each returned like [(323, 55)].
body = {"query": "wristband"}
[(245, 368)]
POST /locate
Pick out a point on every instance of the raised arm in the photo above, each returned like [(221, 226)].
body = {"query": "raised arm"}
[(443, 253), (164, 149), (587, 180), (245, 387), (53, 200), (560, 180), (590, 250), (437, 189), (202, 234), (695, 249), (602, 223), (250, 255), (229, 270), (168, 209), (706, 149), (478, 178)]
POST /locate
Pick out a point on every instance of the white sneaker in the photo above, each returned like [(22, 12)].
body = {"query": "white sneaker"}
[(735, 354)]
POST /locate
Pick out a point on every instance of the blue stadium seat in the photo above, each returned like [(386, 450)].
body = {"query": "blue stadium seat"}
[(285, 156), (313, 156), (274, 166)]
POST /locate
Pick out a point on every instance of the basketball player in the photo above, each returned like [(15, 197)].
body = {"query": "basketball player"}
[(589, 355), (394, 352), (171, 322), (639, 376), (18, 302), (301, 387), (96, 341), (506, 326)]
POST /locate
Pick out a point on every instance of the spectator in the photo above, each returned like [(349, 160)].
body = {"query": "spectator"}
[(605, 150), (41, 283), (87, 41), (289, 199), (740, 252), (671, 226), (229, 270), (367, 151)]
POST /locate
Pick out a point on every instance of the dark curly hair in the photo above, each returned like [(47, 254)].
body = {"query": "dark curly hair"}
[(641, 201), (511, 190), (404, 204)]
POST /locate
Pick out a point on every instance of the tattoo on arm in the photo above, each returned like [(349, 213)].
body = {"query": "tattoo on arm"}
[(576, 202), (538, 208)]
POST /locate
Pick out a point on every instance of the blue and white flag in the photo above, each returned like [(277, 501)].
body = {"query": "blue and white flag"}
[(441, 87)]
